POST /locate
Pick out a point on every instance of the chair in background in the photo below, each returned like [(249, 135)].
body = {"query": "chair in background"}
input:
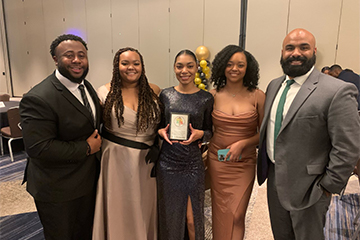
[(13, 131), (4, 97)]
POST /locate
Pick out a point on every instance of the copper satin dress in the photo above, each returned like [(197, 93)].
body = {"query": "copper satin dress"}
[(230, 180)]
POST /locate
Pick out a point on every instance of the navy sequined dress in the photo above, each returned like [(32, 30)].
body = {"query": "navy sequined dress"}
[(180, 170)]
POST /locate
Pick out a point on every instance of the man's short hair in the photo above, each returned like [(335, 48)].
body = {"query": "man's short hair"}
[(325, 68), (335, 67), (65, 37)]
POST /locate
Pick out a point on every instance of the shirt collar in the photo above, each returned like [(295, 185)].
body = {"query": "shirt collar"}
[(66, 82), (301, 79)]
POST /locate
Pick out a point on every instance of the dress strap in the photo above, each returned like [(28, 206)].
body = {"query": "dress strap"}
[(256, 98)]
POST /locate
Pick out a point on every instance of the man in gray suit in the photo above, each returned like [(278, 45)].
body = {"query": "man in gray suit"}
[(314, 149)]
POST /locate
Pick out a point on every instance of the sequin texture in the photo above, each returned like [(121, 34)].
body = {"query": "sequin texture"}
[(180, 170)]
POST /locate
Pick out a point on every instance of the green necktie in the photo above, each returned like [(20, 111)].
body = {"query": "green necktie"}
[(280, 109)]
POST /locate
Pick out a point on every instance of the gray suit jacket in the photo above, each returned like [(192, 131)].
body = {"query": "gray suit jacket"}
[(318, 143)]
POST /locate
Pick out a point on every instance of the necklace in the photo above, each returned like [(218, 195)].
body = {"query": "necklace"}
[(232, 94)]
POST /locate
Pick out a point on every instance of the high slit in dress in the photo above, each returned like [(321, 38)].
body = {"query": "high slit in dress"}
[(180, 169)]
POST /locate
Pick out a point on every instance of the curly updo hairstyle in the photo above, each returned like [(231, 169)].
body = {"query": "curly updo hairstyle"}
[(220, 62), (149, 109)]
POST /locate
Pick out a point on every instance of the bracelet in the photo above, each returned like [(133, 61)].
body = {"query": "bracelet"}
[(88, 151)]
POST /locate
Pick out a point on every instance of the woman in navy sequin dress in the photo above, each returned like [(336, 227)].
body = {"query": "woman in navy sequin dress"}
[(180, 170)]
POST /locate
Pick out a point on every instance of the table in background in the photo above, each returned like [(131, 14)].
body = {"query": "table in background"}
[(4, 122), (3, 112)]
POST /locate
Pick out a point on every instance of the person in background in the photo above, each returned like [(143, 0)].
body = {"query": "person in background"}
[(326, 70), (346, 75), (309, 141), (126, 206), (237, 116), (180, 170), (60, 118)]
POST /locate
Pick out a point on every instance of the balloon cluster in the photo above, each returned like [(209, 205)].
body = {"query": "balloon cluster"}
[(202, 76)]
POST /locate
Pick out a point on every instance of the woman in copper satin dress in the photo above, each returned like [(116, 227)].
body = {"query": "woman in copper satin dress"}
[(237, 115)]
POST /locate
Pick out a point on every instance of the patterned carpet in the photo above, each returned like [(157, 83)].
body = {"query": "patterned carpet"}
[(18, 226), (22, 222), (21, 226), (12, 171), (340, 217)]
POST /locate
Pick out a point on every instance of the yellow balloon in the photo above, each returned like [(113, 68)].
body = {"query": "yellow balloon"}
[(201, 86), (203, 63), (197, 75), (202, 53), (207, 75), (206, 70), (197, 81)]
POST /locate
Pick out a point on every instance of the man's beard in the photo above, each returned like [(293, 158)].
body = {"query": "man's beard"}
[(297, 70), (67, 74)]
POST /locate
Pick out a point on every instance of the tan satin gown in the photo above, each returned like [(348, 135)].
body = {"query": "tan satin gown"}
[(126, 205), (230, 180)]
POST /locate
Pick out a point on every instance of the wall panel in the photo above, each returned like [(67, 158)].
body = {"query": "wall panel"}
[(98, 31), (348, 54), (54, 26), (321, 18), (16, 33), (75, 17), (186, 29), (159, 34), (124, 24), (26, 43), (4, 66), (266, 29), (37, 51), (154, 40), (221, 25)]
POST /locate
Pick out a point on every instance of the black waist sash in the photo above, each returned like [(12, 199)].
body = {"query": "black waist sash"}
[(123, 141), (151, 156)]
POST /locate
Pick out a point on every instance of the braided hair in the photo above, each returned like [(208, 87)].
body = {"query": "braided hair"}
[(149, 109), (218, 78)]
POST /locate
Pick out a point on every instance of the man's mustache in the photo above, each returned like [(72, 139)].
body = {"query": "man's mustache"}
[(299, 58)]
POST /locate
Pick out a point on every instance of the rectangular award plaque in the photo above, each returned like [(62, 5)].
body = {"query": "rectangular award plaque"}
[(179, 123)]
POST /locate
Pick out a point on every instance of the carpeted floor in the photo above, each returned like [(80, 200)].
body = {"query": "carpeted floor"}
[(19, 220), (21, 226), (340, 217)]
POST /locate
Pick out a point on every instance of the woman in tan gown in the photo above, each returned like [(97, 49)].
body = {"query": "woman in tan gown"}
[(237, 115), (126, 199)]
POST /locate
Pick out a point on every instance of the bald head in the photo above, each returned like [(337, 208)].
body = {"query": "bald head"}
[(298, 54), (300, 35)]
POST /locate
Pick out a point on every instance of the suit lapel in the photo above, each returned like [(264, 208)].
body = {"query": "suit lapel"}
[(270, 96), (305, 91), (96, 101), (72, 99)]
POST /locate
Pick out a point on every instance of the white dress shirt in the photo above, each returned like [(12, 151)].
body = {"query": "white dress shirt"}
[(74, 89), (294, 89)]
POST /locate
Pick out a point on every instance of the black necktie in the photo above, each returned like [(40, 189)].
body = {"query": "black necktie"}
[(85, 99)]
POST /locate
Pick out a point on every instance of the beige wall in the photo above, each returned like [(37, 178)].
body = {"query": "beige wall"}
[(334, 23), (160, 28)]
